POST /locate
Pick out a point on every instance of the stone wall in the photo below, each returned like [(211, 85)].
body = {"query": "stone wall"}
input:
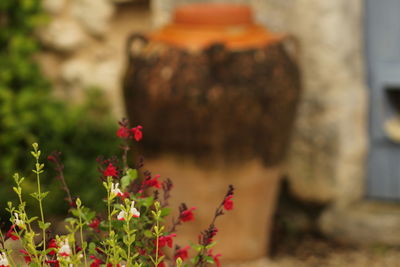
[(84, 45), (327, 159)]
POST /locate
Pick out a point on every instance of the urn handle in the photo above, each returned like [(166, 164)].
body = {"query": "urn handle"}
[(135, 44)]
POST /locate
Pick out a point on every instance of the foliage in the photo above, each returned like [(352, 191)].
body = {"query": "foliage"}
[(129, 232), (29, 113)]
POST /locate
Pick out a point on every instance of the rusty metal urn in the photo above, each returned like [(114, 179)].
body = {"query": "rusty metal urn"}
[(216, 95)]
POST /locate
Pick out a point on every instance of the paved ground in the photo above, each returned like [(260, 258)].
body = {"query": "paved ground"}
[(318, 253)]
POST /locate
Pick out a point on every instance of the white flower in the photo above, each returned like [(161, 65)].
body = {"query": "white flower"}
[(121, 215), (115, 190), (65, 249), (3, 259), (18, 222), (132, 212)]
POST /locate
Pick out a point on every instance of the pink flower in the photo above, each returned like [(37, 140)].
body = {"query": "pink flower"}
[(110, 171), (123, 132), (137, 133), (228, 203), (166, 240), (182, 253), (187, 215)]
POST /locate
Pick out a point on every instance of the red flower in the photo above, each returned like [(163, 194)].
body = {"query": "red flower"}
[(153, 182), (123, 132), (54, 263), (52, 244), (187, 215), (96, 262), (215, 257), (94, 224), (110, 171), (165, 240), (11, 233), (27, 258), (124, 195), (142, 251), (182, 253), (137, 133), (228, 203), (161, 264)]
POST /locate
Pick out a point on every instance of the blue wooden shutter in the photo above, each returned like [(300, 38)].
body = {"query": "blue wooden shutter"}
[(383, 57)]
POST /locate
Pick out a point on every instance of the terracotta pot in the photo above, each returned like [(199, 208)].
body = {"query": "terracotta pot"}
[(216, 95), (197, 26)]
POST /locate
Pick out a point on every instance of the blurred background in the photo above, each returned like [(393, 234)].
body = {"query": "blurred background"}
[(66, 77)]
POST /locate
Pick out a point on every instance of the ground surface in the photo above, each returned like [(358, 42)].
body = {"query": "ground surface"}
[(312, 252)]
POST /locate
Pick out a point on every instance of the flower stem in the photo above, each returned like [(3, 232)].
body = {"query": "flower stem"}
[(157, 236), (128, 261), (81, 236), (38, 170)]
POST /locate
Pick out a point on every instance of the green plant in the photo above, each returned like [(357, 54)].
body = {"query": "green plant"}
[(131, 232), (29, 113)]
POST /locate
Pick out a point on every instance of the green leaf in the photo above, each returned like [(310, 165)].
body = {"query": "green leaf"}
[(165, 212), (130, 176), (48, 251), (148, 233), (209, 259), (92, 248), (44, 226), (32, 219), (44, 194), (17, 190), (147, 202), (211, 245), (35, 195)]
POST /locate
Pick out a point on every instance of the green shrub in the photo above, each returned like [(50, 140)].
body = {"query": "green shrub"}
[(28, 112)]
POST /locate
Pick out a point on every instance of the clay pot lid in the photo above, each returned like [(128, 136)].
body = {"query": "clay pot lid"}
[(197, 26), (213, 14)]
